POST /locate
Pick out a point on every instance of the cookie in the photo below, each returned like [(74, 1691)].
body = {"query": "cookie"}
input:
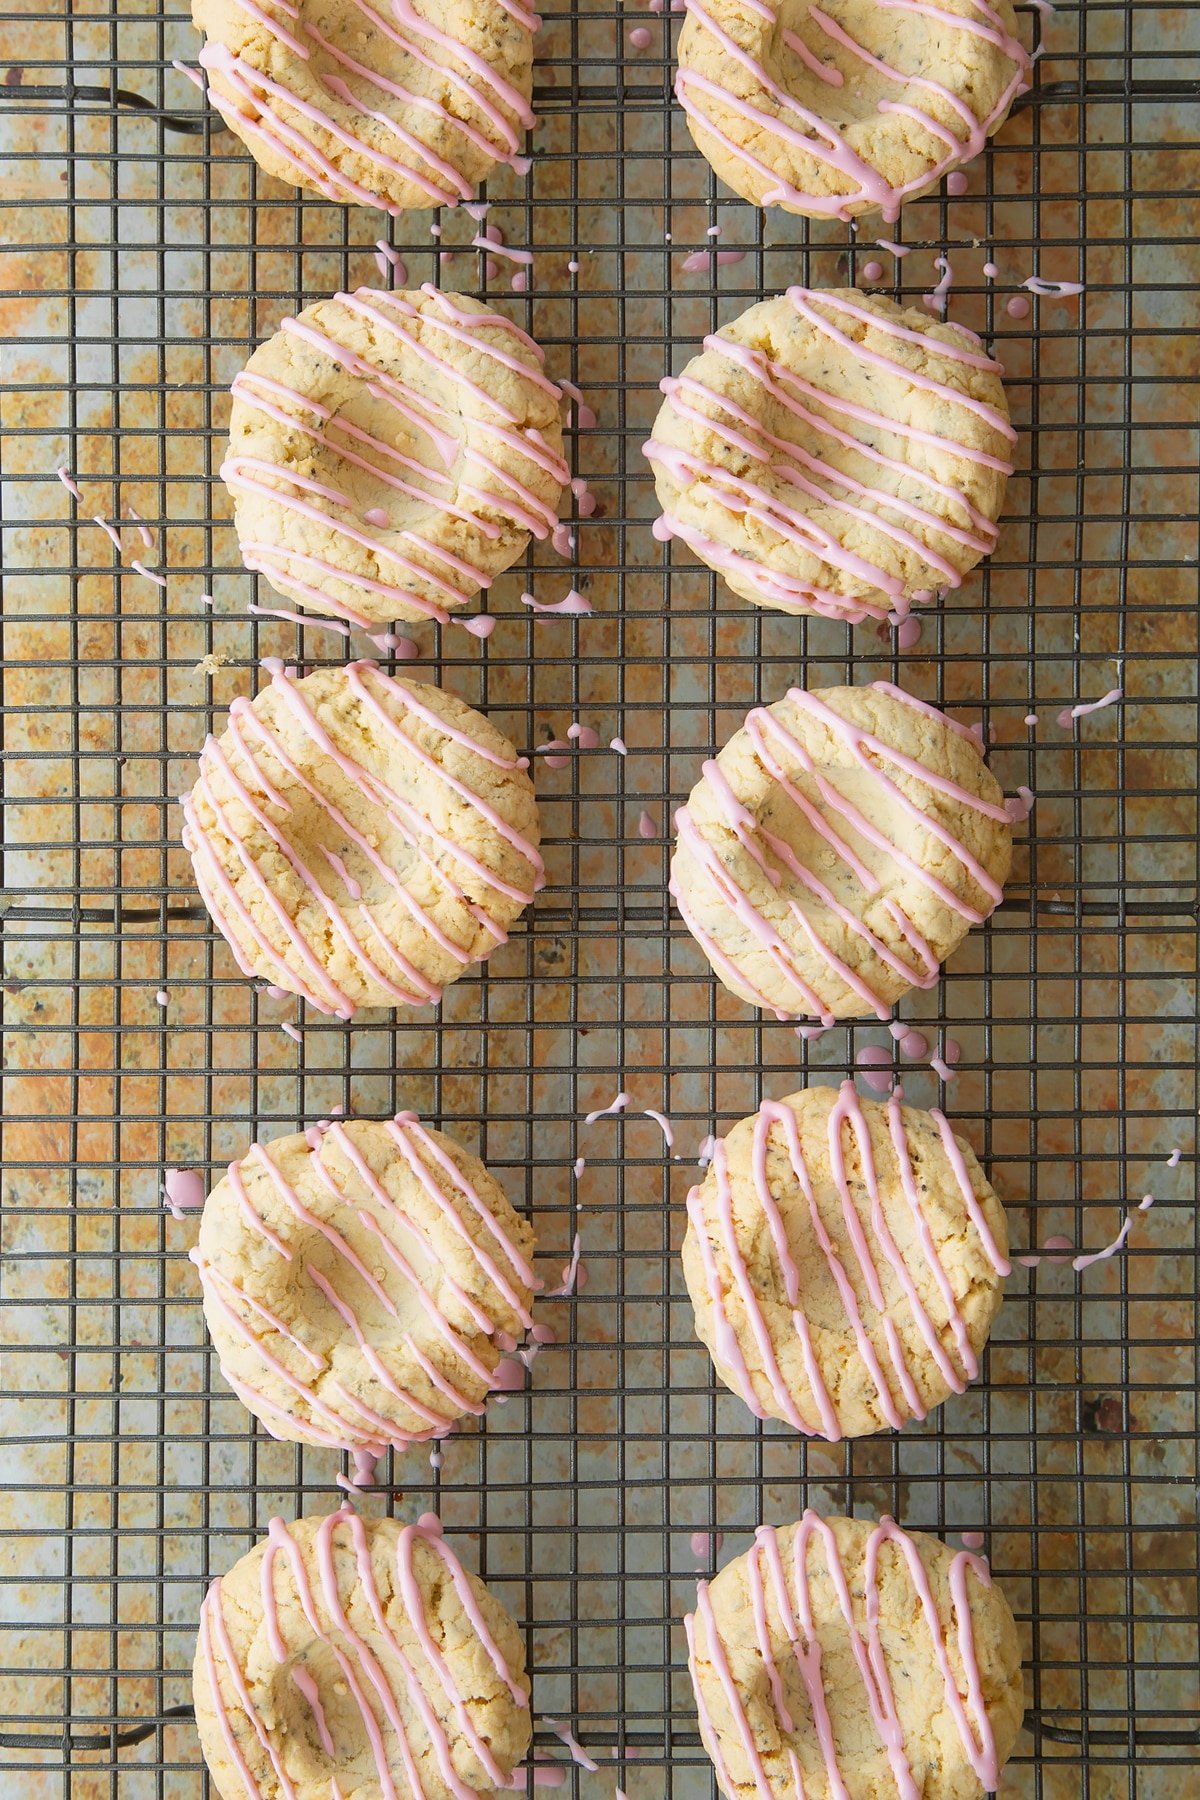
[(830, 452), (361, 840), (404, 104), (842, 1659), (391, 453), (838, 849), (361, 1281), (356, 1659), (850, 107), (845, 1260)]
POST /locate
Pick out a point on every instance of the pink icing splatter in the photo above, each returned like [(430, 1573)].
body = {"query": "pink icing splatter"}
[(1069, 714), (872, 271), (937, 300), (972, 1540), (389, 263), (1053, 290), (183, 1190), (872, 1060), (639, 38), (1017, 306), (578, 1753), (956, 182), (706, 1545), (570, 603), (614, 1107), (647, 827), (908, 631), (162, 998), (581, 413), (69, 482)]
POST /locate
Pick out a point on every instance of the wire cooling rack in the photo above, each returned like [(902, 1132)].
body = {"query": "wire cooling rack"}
[(144, 258)]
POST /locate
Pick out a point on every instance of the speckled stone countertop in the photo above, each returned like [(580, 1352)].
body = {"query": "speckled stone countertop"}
[(139, 268)]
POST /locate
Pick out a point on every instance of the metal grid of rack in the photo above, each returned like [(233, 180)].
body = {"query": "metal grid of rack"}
[(145, 258)]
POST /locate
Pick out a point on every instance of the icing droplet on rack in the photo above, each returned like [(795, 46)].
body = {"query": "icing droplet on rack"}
[(1069, 714), (183, 1190)]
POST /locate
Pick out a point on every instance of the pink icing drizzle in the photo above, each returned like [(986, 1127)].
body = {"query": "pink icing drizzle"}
[(393, 314), (471, 75)]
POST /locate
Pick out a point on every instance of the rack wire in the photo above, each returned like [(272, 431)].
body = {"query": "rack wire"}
[(145, 258)]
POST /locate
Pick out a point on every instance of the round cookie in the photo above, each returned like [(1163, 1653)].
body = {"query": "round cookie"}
[(845, 1260), (844, 1659), (850, 106), (361, 1280), (838, 849), (361, 840), (830, 452), (409, 103), (391, 453), (349, 1659)]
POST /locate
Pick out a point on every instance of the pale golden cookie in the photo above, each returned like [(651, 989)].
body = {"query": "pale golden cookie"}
[(355, 1658), (390, 453), (850, 106), (387, 103), (845, 1259), (361, 1281), (361, 840), (830, 452), (838, 849), (844, 1659)]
